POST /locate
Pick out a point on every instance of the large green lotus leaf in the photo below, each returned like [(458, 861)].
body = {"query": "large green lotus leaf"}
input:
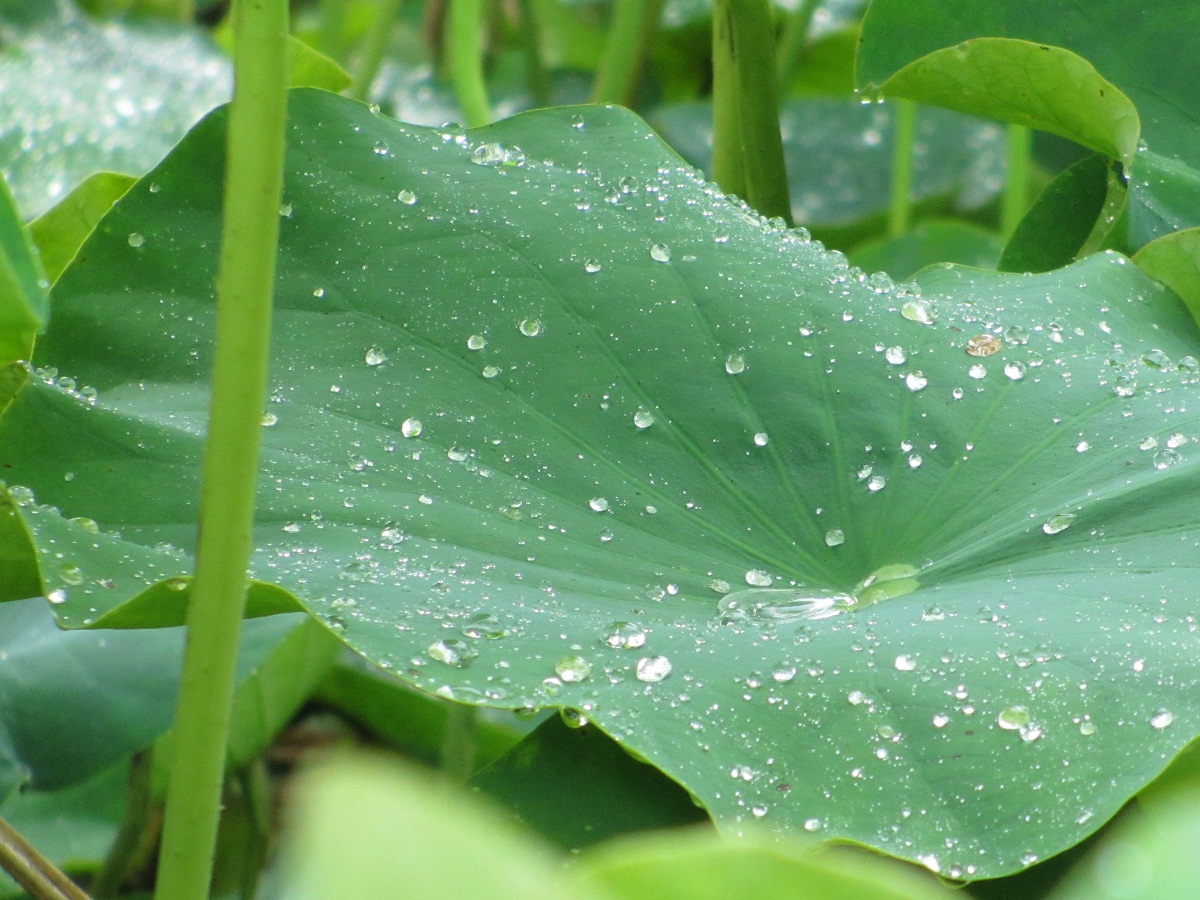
[(638, 406), (1123, 39), (839, 156), (78, 96)]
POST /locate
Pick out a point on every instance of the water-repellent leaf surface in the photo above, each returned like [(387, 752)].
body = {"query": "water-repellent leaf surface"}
[(563, 426), (77, 95), (1123, 39)]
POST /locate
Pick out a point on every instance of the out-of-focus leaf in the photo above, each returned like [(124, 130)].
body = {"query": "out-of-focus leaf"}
[(1174, 259), (24, 300), (936, 241)]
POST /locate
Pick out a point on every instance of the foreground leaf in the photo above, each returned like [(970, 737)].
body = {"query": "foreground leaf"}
[(1174, 259), (546, 423)]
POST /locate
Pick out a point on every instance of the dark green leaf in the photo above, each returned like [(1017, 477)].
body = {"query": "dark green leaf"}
[(576, 787), (670, 401), (930, 242), (1051, 234)]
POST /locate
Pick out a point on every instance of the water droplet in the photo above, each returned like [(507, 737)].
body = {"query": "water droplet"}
[(572, 718), (1057, 523), (408, 198), (83, 523), (643, 419), (380, 148), (876, 483), (489, 371), (486, 626), (530, 327), (895, 355), (1086, 728), (1014, 370), (1015, 334), (735, 364), (720, 586), (573, 669), (941, 720), (919, 310), (933, 614), (598, 504), (452, 652), (781, 605), (660, 253), (1164, 459), (783, 673), (576, 121), (71, 575), (813, 824), (1156, 359), (1161, 719), (1083, 447), (905, 663), (625, 636), (1125, 386), (497, 155), (1012, 718), (375, 357), (916, 381), (982, 345), (476, 342), (285, 209), (653, 669), (761, 439), (410, 428), (136, 240), (57, 596), (835, 537), (758, 578), (977, 371), (592, 266)]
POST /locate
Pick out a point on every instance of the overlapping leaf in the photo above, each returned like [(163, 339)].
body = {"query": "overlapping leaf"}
[(540, 416)]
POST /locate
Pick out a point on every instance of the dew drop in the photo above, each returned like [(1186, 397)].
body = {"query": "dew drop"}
[(835, 537), (485, 626), (982, 345), (1016, 334), (1057, 523), (761, 439), (660, 253), (598, 504), (904, 663), (919, 310), (375, 357), (941, 720), (1164, 459), (1012, 718), (1014, 370), (136, 239), (1161, 719), (652, 669), (408, 198), (758, 578), (735, 364), (1125, 386), (625, 636), (57, 596), (643, 419), (916, 381), (410, 428), (592, 266), (476, 342), (895, 355), (489, 371), (530, 327), (573, 669), (452, 652), (977, 371)]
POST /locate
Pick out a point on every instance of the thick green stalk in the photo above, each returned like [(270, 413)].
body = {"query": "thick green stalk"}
[(245, 280), (630, 35), (1015, 201), (378, 39), (793, 42), (747, 147), (32, 871), (464, 48), (900, 208), (529, 28)]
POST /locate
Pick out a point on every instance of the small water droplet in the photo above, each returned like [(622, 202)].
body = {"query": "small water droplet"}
[(652, 669), (643, 419), (476, 342), (895, 355), (70, 574), (57, 596), (916, 381), (1014, 370), (758, 578), (598, 504), (941, 720), (408, 198), (982, 345), (573, 669), (530, 327), (919, 310), (1164, 459), (783, 673), (835, 537), (625, 636), (660, 253), (410, 428), (592, 266), (375, 357), (1057, 523), (876, 483), (577, 121), (485, 626), (735, 364), (1016, 334), (452, 652), (1161, 719), (136, 239), (904, 663), (813, 824), (761, 439), (977, 371), (1125, 386), (1013, 718)]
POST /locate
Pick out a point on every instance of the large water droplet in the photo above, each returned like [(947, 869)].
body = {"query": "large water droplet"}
[(895, 355), (408, 198), (486, 626), (598, 504), (530, 327), (653, 668), (476, 342), (916, 381), (643, 419), (452, 652), (375, 357), (835, 537), (660, 253), (982, 345), (573, 669), (1014, 370), (410, 428), (919, 310), (735, 364), (782, 605), (758, 578), (1013, 718), (1161, 719), (625, 636), (1057, 523)]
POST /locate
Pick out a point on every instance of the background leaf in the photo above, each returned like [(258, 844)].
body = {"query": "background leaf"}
[(60, 231), (634, 398)]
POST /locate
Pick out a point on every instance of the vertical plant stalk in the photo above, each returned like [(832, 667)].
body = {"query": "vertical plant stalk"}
[(747, 146), (529, 27), (39, 877), (464, 47), (332, 28), (378, 39), (793, 41), (1015, 201), (217, 598), (904, 133), (630, 36), (119, 861), (459, 741)]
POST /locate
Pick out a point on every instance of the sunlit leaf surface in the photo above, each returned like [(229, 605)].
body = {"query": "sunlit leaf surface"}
[(553, 423)]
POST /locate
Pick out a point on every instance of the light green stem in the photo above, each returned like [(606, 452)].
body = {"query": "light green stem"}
[(40, 878), (530, 34), (1015, 201), (245, 280), (333, 23), (378, 40), (900, 208), (464, 47), (459, 741), (630, 35), (793, 42), (747, 147)]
